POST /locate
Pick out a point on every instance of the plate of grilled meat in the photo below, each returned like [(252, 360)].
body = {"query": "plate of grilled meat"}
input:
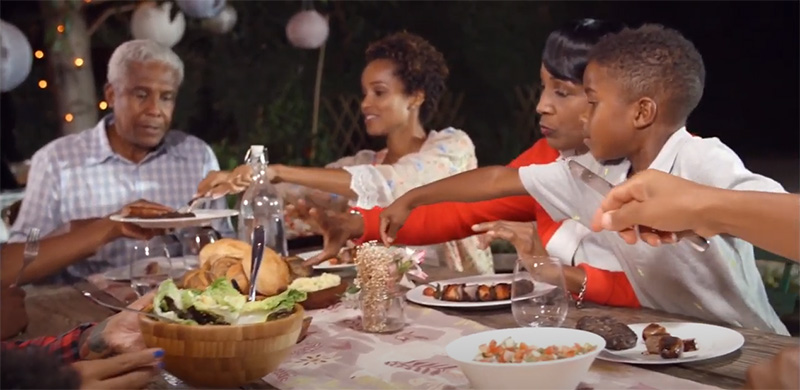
[(470, 292), (159, 217)]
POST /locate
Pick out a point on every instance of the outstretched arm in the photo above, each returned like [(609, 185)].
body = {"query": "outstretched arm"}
[(332, 180), (669, 204), (471, 186)]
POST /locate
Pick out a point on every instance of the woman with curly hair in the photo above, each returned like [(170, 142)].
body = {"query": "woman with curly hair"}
[(402, 83)]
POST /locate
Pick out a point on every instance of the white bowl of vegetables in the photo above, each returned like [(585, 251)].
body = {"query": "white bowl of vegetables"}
[(526, 358)]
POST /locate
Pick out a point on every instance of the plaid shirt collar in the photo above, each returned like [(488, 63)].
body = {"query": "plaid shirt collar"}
[(98, 148)]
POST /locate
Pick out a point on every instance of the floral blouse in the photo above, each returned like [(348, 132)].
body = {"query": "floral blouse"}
[(444, 153)]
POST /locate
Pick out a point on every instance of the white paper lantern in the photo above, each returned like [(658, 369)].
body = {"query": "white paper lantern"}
[(151, 21), (307, 30), (15, 56), (221, 23), (201, 9)]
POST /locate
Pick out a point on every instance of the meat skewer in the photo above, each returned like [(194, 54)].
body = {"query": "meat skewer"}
[(469, 292)]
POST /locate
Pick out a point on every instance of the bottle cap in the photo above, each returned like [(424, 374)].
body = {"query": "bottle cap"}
[(256, 150)]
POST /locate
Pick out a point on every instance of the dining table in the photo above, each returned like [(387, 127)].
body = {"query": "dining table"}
[(55, 309)]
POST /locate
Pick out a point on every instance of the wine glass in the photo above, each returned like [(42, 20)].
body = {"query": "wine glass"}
[(538, 292), (192, 242), (150, 265)]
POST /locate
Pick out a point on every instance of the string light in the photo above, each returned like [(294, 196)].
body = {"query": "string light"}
[(42, 84), (38, 54), (103, 105), (60, 28), (68, 117), (79, 62)]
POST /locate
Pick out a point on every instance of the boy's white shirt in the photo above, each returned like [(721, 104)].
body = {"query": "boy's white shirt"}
[(721, 284), (574, 243)]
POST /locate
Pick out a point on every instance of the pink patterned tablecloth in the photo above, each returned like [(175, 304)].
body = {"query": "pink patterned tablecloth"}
[(337, 354)]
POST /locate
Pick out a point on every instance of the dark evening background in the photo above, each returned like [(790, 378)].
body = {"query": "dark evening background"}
[(251, 84)]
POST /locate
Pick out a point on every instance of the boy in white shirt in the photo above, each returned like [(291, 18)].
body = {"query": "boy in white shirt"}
[(642, 84)]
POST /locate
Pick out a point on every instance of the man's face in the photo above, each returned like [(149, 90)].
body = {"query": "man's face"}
[(608, 122), (143, 103)]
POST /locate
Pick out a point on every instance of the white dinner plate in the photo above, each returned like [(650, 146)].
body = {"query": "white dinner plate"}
[(712, 341), (415, 295), (123, 274), (326, 265), (201, 218)]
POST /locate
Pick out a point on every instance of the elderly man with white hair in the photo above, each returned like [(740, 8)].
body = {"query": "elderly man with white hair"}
[(83, 178)]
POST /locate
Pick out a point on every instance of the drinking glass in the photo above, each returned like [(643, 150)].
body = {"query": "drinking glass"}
[(192, 242), (150, 265), (538, 292)]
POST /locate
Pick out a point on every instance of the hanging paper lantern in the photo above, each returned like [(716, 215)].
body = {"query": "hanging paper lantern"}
[(307, 30), (151, 21), (201, 9), (221, 23), (15, 55)]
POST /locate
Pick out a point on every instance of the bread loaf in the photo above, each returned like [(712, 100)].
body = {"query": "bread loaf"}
[(273, 277), (225, 247)]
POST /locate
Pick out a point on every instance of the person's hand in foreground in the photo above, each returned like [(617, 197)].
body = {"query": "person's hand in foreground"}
[(661, 202), (132, 370), (780, 372), (119, 333)]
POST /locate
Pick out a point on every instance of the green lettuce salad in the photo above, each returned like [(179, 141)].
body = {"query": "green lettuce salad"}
[(221, 304)]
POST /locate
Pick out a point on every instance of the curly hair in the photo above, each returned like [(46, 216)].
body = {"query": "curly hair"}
[(657, 62), (418, 65)]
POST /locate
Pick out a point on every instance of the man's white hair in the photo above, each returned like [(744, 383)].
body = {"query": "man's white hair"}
[(141, 51)]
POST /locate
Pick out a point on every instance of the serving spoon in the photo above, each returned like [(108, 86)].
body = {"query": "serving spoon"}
[(259, 239), (121, 308)]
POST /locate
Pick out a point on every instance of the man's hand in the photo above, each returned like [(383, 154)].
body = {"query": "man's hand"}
[(119, 333), (522, 235), (220, 183), (336, 227), (781, 372), (13, 317), (657, 200), (132, 370), (393, 218)]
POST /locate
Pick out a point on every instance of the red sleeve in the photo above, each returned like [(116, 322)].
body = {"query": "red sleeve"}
[(66, 346), (608, 288), (452, 221)]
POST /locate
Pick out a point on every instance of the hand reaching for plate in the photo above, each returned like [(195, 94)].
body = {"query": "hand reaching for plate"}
[(336, 228), (393, 218), (220, 183)]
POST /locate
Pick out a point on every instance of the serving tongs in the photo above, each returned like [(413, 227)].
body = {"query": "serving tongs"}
[(259, 239)]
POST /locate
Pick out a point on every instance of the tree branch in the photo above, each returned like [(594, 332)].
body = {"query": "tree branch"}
[(108, 13)]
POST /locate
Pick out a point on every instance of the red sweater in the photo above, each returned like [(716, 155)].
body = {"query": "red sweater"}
[(450, 221)]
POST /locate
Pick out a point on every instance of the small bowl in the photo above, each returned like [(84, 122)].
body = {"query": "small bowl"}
[(324, 298), (223, 356), (562, 374)]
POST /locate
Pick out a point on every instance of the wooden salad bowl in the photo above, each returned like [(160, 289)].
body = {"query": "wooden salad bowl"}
[(223, 356), (324, 298)]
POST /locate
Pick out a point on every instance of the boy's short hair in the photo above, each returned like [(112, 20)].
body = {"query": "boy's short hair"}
[(657, 62)]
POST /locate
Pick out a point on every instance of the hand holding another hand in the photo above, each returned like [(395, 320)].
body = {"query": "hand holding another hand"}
[(522, 235)]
